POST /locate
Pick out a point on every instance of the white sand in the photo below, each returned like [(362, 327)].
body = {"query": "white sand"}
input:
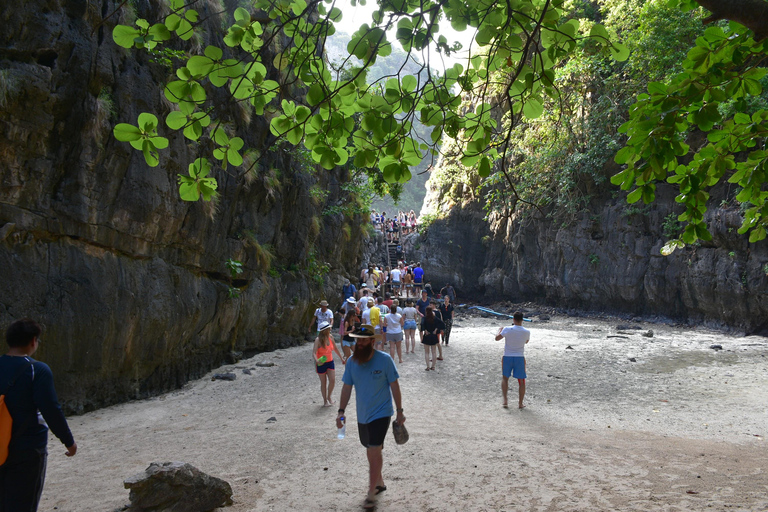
[(680, 429)]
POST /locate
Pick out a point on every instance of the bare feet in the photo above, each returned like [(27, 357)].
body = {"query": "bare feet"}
[(504, 405), (521, 406), (331, 402), (326, 404)]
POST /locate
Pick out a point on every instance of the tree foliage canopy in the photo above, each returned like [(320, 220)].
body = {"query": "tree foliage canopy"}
[(273, 60)]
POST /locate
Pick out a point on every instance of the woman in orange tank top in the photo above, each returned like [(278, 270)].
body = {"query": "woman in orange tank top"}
[(322, 351)]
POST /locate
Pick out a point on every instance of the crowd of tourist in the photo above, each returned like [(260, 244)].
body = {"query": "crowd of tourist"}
[(396, 303), (380, 313), (402, 223)]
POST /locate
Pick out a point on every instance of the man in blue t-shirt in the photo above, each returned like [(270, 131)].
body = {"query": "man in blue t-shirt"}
[(374, 377), (31, 400), (418, 276), (348, 290)]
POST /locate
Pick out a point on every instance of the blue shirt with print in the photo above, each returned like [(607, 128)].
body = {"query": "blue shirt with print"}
[(372, 386)]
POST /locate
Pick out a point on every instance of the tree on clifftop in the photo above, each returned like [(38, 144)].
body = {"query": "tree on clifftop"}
[(273, 60)]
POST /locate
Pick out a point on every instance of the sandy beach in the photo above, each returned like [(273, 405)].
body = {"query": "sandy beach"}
[(680, 428)]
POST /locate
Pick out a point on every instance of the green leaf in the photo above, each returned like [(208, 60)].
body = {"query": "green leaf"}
[(150, 154), (126, 132), (670, 246), (147, 122), (315, 94), (484, 170), (619, 52), (175, 120), (199, 65), (635, 195), (124, 35), (242, 15), (533, 108)]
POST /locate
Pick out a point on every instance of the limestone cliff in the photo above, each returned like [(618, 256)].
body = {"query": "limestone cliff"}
[(130, 282), (606, 259)]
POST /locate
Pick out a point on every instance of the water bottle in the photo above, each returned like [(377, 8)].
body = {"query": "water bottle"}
[(343, 429)]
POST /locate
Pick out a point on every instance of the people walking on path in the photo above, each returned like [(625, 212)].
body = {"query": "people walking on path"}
[(418, 277), (449, 291), (436, 309), (348, 324), (322, 351), (421, 306), (394, 331), (430, 327), (374, 376), (322, 314), (513, 362), (362, 304), (446, 313), (31, 401), (396, 273), (411, 319), (408, 282), (348, 290)]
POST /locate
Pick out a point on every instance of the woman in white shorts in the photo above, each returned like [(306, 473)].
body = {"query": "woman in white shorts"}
[(410, 316), (394, 322)]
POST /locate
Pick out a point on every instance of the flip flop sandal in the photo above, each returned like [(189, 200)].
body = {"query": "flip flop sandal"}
[(369, 504), (380, 489)]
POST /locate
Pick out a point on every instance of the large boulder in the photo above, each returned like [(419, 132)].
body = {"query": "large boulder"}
[(177, 487)]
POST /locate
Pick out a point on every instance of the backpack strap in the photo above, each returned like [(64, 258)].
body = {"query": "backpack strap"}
[(17, 375)]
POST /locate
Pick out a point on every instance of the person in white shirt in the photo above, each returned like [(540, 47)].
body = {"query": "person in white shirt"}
[(323, 314), (410, 316), (395, 273), (394, 323), (362, 304), (366, 316), (513, 361)]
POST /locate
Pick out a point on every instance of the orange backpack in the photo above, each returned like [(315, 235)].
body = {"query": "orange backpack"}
[(6, 421)]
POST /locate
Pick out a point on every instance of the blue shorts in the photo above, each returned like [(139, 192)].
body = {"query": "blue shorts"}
[(513, 366), (325, 367), (348, 343), (409, 325)]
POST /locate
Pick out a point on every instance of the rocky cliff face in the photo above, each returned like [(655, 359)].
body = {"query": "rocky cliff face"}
[(607, 259), (131, 283)]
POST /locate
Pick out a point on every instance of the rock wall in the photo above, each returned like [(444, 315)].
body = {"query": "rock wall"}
[(607, 259), (129, 282)]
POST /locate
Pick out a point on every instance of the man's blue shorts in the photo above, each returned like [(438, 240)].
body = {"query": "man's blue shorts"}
[(513, 366)]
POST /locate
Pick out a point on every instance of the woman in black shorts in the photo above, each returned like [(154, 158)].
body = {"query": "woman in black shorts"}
[(430, 327)]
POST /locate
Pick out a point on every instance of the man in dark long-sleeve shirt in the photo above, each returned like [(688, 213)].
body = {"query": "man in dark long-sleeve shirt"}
[(33, 405)]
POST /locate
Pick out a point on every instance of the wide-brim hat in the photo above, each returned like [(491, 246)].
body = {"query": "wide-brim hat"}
[(351, 300), (324, 303), (363, 285), (323, 326), (364, 331)]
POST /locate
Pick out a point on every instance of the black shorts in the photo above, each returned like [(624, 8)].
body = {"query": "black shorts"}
[(372, 434)]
